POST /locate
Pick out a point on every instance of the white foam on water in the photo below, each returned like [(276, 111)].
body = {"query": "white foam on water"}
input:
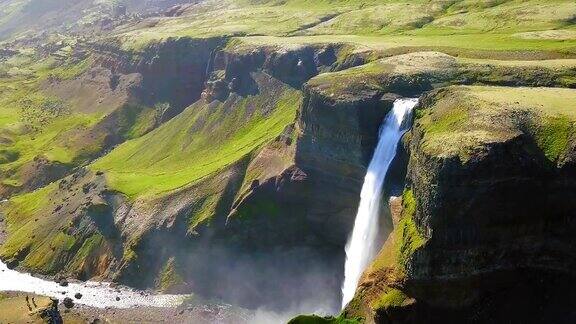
[(94, 294)]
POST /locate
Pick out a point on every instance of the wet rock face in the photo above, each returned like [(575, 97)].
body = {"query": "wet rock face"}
[(335, 146), (175, 72), (51, 314)]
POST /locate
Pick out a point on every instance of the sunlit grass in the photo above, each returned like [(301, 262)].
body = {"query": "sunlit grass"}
[(199, 142)]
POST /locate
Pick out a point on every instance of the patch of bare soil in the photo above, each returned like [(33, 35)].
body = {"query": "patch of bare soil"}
[(3, 233)]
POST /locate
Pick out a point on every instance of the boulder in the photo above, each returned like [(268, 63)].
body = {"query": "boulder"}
[(68, 302)]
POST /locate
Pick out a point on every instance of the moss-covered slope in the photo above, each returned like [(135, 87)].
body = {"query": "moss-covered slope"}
[(65, 110)]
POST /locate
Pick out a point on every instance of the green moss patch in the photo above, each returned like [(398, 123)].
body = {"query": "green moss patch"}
[(553, 136), (90, 247), (401, 244), (260, 207), (410, 238), (69, 70), (315, 319), (450, 122), (203, 211), (7, 156), (169, 277), (391, 298), (461, 121)]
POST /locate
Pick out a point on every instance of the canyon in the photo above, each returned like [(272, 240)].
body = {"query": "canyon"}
[(188, 151)]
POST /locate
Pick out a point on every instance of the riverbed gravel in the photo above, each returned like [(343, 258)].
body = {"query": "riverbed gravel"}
[(200, 314)]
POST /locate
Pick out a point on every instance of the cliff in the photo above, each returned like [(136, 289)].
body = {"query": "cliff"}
[(484, 227)]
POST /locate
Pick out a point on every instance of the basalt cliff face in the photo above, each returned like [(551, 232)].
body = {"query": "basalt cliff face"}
[(507, 232), (486, 216)]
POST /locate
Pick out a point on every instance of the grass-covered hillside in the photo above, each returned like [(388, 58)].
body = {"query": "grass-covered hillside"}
[(204, 139), (471, 27), (544, 113), (34, 122)]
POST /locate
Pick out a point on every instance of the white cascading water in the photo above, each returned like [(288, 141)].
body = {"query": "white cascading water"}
[(361, 247), (94, 294)]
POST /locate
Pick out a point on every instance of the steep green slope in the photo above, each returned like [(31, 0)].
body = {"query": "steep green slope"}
[(204, 139), (65, 102), (67, 226)]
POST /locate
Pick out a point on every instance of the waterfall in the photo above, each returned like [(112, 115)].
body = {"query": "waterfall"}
[(361, 247)]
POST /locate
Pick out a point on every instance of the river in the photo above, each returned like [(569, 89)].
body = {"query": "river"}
[(94, 294)]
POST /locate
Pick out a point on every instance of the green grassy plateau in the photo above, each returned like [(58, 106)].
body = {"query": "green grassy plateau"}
[(466, 118), (473, 28)]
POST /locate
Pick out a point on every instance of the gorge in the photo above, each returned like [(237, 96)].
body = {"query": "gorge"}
[(233, 160)]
